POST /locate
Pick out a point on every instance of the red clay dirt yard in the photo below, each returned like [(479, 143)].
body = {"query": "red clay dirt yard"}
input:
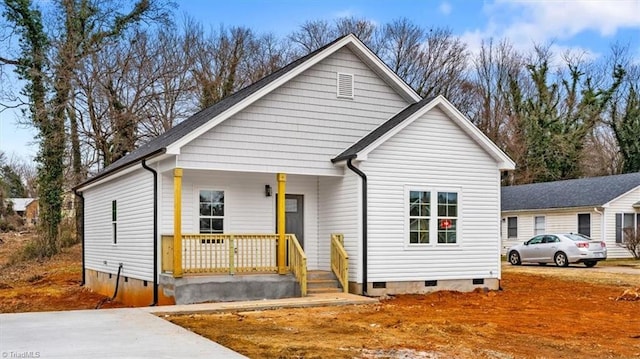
[(535, 316), (542, 312)]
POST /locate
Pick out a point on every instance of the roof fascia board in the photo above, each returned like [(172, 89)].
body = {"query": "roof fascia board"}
[(541, 211), (381, 68), (126, 170), (175, 147), (504, 162), (608, 204)]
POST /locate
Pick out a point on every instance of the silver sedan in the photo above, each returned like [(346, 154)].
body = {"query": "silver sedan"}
[(561, 249)]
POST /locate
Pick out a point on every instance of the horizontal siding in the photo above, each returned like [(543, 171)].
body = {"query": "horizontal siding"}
[(620, 205), (556, 221), (134, 196), (340, 213), (432, 152), (247, 209), (303, 117)]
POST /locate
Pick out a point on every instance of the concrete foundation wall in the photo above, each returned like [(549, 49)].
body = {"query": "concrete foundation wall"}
[(419, 287), (190, 290), (131, 291)]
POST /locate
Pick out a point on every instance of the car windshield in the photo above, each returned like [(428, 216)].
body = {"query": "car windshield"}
[(577, 237)]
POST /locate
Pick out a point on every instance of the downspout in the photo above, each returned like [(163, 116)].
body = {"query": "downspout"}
[(155, 231), (81, 234), (364, 222)]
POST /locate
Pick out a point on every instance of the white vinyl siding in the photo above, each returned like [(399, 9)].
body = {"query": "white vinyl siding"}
[(623, 204), (555, 221), (246, 208), (133, 194), (340, 212), (432, 152), (302, 117)]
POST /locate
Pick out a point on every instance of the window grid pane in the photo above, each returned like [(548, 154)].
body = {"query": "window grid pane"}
[(211, 210), (419, 212), (447, 221)]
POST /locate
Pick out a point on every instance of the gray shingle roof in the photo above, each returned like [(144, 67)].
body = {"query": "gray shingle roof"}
[(160, 143), (583, 192), (382, 130)]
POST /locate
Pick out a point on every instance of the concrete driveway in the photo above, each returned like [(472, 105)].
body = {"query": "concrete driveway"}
[(106, 333)]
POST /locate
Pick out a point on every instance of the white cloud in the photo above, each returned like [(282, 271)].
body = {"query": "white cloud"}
[(445, 8), (525, 22)]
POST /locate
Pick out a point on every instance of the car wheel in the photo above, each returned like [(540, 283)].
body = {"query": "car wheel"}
[(561, 259), (590, 264), (514, 258)]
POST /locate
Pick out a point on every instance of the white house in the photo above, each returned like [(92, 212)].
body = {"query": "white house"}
[(391, 192), (599, 207)]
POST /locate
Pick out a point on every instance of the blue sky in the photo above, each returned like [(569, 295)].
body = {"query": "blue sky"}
[(584, 26)]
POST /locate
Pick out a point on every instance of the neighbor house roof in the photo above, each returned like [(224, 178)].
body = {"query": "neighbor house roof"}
[(583, 192), (20, 204), (373, 139), (202, 120)]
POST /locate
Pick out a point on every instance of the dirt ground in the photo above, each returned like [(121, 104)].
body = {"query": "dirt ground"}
[(542, 312), (546, 315), (33, 286)]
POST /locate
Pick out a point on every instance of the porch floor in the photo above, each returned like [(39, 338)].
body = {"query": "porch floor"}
[(313, 300)]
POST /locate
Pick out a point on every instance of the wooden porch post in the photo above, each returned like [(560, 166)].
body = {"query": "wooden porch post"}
[(177, 223), (282, 181)]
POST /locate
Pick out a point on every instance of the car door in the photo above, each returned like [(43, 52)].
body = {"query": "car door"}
[(531, 250), (548, 248)]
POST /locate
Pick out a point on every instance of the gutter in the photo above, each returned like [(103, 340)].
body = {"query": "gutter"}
[(81, 234), (155, 231), (364, 221)]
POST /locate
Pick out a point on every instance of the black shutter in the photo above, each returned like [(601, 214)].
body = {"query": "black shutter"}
[(618, 227)]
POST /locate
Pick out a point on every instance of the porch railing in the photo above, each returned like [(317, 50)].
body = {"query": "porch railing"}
[(297, 262), (235, 253), (340, 261)]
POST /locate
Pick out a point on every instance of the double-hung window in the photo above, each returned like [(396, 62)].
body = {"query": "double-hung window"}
[(584, 224), (512, 227), (433, 217), (625, 223), (447, 217), (419, 216), (211, 211)]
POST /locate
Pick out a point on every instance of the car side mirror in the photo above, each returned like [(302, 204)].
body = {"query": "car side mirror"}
[(526, 243)]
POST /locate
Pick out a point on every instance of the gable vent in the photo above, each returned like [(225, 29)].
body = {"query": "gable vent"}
[(345, 85)]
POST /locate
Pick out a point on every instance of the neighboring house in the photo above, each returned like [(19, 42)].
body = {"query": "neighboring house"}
[(27, 208), (599, 207), (32, 213), (406, 188)]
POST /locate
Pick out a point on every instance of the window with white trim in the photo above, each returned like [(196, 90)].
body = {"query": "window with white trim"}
[(433, 217), (584, 224), (512, 227), (211, 211), (447, 217), (538, 225), (419, 216), (626, 222), (114, 221)]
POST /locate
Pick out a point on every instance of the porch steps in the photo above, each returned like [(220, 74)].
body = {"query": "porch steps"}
[(322, 282)]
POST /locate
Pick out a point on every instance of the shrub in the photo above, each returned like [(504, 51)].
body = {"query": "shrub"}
[(632, 241)]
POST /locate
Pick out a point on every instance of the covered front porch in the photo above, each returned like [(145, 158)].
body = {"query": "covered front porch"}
[(242, 265)]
